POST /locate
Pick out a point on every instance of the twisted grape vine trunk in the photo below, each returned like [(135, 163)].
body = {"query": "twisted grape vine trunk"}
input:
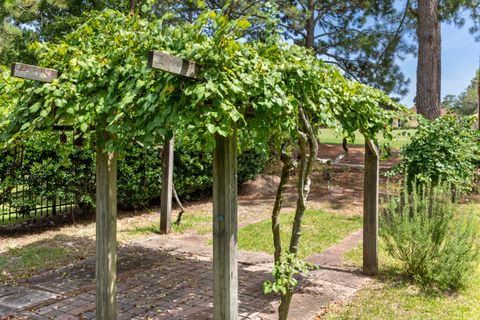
[(305, 134), (284, 178)]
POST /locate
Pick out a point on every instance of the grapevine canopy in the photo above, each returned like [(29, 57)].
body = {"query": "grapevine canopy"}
[(105, 84)]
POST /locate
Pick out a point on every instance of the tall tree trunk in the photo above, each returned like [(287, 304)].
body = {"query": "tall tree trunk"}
[(429, 59), (132, 7), (310, 25)]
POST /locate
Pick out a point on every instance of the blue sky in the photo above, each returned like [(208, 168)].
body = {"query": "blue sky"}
[(460, 59)]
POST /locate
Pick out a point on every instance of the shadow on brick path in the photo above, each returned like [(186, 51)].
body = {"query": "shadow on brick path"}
[(165, 277)]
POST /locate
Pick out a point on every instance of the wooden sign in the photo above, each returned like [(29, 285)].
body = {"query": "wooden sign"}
[(172, 64), (26, 71)]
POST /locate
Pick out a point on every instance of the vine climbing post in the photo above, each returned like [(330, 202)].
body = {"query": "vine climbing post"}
[(370, 209)]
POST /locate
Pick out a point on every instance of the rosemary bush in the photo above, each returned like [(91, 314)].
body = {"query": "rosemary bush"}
[(434, 240)]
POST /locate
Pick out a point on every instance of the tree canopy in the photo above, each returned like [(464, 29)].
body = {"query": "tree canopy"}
[(466, 102), (363, 38)]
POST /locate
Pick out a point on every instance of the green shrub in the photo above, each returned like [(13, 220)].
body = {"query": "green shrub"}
[(139, 177), (446, 149), (45, 168), (433, 239), (193, 169)]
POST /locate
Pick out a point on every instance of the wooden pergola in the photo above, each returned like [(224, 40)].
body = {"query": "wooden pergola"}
[(225, 221)]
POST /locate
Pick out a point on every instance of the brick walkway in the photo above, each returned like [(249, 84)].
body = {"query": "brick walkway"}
[(171, 278)]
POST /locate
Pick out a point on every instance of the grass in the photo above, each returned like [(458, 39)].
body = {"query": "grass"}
[(399, 299), (320, 231), (198, 223), (21, 262), (400, 137), (396, 297)]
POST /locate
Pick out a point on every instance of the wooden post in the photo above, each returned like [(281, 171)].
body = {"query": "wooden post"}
[(167, 186), (225, 273), (187, 69), (370, 209), (106, 223), (106, 235)]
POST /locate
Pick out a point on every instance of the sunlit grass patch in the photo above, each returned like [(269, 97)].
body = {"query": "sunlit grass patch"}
[(198, 223), (400, 137), (320, 230), (21, 262)]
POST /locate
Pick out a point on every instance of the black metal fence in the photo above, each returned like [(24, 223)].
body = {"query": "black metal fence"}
[(23, 206), (42, 176)]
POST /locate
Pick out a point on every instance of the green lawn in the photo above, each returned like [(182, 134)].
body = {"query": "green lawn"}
[(400, 137), (395, 297), (320, 231)]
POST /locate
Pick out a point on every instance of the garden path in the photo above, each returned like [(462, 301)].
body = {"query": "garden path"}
[(170, 277)]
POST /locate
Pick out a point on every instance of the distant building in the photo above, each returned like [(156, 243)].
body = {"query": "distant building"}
[(408, 119)]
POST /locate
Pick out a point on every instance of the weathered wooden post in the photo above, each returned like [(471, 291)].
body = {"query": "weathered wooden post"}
[(167, 186), (167, 62), (106, 233), (225, 270), (106, 223), (225, 287), (370, 209)]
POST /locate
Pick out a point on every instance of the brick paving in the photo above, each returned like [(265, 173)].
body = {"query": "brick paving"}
[(168, 277)]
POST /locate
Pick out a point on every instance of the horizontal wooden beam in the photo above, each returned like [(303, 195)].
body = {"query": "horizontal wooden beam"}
[(172, 64), (26, 71)]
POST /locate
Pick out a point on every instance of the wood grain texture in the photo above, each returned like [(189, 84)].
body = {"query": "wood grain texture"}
[(370, 209), (225, 269), (106, 236), (169, 63), (26, 71), (167, 187)]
